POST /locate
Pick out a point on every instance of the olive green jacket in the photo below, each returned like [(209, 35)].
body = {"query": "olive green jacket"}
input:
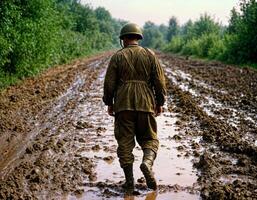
[(134, 80)]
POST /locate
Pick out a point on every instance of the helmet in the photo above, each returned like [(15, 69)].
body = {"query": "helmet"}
[(131, 29)]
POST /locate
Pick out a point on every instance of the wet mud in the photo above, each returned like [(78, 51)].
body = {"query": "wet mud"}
[(218, 103), (57, 142)]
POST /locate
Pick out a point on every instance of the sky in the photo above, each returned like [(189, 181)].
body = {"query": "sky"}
[(160, 11)]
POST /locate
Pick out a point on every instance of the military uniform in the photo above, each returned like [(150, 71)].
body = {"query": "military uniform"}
[(134, 84)]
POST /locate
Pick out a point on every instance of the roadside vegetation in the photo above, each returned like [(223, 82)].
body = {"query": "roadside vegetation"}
[(36, 34), (206, 38)]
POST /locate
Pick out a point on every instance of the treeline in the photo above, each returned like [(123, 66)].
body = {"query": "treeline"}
[(206, 38), (36, 34)]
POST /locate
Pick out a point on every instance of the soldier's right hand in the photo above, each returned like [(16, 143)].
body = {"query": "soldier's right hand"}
[(110, 111), (158, 110)]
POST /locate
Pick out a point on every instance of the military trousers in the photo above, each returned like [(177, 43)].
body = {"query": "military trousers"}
[(131, 125)]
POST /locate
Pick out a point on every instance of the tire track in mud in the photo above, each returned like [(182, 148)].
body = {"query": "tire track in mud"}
[(71, 151), (48, 167), (209, 107)]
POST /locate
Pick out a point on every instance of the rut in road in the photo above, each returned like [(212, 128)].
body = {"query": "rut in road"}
[(70, 150)]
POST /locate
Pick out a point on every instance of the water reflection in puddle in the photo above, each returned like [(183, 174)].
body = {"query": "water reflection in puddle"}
[(91, 195), (169, 168)]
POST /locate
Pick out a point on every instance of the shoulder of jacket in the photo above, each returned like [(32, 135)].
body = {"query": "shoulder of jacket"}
[(115, 54), (150, 51), (118, 53)]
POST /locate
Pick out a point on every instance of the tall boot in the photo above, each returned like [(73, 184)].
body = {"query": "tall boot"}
[(146, 168), (128, 186)]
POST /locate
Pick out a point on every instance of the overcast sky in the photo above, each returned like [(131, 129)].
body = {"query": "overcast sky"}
[(159, 11)]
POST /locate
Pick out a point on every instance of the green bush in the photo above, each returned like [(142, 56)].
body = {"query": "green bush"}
[(191, 47), (175, 45), (4, 51), (205, 46), (206, 42), (217, 50), (198, 38), (7, 79), (236, 43), (230, 41), (71, 45)]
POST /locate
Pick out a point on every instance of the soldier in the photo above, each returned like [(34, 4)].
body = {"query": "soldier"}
[(134, 91)]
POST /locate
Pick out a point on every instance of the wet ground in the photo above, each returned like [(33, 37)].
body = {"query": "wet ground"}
[(56, 140)]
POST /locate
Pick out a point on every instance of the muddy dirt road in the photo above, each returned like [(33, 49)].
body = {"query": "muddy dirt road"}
[(56, 140)]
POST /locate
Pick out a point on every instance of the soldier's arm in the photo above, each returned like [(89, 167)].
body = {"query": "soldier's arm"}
[(110, 82), (158, 82)]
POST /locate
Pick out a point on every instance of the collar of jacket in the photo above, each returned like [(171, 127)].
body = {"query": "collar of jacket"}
[(132, 45)]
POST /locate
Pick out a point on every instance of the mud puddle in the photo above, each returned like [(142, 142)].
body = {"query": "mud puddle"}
[(172, 167)]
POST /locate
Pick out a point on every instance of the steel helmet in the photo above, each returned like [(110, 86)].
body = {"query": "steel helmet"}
[(131, 29)]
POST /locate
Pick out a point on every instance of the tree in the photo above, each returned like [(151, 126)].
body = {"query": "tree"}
[(233, 21), (187, 27), (102, 14), (85, 20), (243, 47), (152, 36), (173, 28), (204, 25), (164, 31)]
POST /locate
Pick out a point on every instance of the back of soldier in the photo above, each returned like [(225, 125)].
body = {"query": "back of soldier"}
[(134, 63)]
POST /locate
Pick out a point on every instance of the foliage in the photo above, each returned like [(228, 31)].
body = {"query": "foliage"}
[(152, 36), (173, 28), (204, 25), (243, 47), (197, 38), (175, 45), (218, 50), (186, 28), (192, 47), (36, 34), (236, 43)]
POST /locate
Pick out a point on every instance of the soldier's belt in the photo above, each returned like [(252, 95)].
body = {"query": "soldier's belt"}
[(135, 81)]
